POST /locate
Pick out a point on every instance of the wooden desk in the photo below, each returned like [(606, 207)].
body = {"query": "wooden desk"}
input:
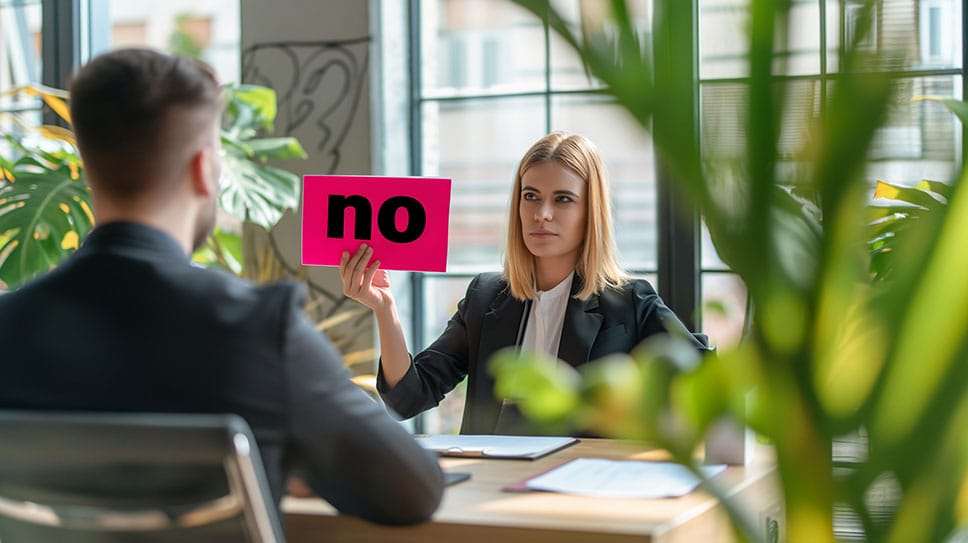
[(477, 511)]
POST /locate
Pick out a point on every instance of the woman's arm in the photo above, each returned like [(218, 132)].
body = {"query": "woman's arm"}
[(656, 318), (366, 283)]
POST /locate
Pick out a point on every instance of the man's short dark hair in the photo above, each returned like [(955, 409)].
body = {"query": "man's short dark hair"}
[(135, 112)]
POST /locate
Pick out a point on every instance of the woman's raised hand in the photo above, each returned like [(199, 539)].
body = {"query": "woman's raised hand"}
[(367, 284)]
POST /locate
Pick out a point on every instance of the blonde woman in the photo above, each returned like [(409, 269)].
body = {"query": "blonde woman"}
[(562, 292)]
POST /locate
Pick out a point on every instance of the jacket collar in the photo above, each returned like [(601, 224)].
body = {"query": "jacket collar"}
[(581, 326), (505, 317), (135, 240)]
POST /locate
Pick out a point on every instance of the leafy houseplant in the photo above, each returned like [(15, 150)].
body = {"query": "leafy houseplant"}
[(829, 351), (893, 212), (45, 208)]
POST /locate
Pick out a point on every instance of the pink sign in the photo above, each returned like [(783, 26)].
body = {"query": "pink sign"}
[(404, 219)]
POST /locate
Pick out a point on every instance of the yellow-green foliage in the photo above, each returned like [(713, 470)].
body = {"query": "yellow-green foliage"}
[(838, 343)]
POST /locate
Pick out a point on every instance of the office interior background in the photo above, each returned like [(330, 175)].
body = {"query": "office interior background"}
[(461, 88)]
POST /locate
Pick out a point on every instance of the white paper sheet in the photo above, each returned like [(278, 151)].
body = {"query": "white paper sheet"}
[(621, 478), (494, 446)]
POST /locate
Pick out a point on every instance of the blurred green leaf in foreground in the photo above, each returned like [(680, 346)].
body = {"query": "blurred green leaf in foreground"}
[(859, 326)]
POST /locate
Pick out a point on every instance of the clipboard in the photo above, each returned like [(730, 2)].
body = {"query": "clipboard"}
[(454, 477), (489, 446)]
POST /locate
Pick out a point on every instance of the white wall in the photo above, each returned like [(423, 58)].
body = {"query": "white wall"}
[(316, 55)]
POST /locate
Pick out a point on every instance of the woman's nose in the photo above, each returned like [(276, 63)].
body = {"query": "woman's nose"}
[(542, 213)]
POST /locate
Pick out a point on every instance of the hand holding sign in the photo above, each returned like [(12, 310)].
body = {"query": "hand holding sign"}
[(368, 285), (403, 219)]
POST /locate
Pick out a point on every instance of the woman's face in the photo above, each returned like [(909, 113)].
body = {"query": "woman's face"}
[(553, 212)]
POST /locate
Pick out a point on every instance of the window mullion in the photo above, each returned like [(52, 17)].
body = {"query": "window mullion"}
[(675, 29)]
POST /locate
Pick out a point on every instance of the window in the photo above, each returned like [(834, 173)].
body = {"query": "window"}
[(920, 140), (20, 54), (938, 23), (19, 42), (492, 80), (205, 29)]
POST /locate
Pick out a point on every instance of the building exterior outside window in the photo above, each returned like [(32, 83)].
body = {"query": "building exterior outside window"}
[(492, 80), (20, 56)]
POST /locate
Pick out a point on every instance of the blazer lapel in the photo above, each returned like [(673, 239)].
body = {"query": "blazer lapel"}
[(501, 323), (578, 332), (499, 329)]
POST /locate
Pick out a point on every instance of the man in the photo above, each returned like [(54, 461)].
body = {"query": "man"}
[(128, 324)]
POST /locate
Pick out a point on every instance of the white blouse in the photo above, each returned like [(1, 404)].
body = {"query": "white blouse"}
[(543, 331)]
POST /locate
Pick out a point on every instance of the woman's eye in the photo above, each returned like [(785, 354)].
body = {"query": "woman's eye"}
[(530, 196), (565, 199)]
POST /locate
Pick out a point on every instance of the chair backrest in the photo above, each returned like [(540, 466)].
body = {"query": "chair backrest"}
[(132, 477)]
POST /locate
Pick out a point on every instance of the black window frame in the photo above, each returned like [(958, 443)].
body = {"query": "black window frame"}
[(678, 228)]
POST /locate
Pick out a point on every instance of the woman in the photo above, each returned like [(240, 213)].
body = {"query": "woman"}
[(562, 291)]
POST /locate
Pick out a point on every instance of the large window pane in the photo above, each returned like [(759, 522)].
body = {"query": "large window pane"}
[(724, 107), (723, 308), (630, 162), (442, 295), (920, 140), (480, 47), (19, 43), (723, 38), (478, 144), (20, 64), (801, 52), (567, 72), (204, 29), (709, 257), (935, 42), (940, 33)]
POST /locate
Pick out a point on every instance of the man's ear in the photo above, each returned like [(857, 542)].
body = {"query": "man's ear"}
[(201, 172)]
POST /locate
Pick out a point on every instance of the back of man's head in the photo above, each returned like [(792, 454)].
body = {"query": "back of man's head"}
[(138, 116)]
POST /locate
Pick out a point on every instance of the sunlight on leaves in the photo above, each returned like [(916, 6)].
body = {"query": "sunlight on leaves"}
[(612, 391), (782, 317), (933, 329), (71, 241), (544, 390)]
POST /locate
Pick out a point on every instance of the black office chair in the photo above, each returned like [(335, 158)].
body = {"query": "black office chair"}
[(106, 477)]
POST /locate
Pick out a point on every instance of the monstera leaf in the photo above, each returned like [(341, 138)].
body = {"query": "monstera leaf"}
[(44, 212), (44, 203), (894, 212), (252, 190), (45, 207)]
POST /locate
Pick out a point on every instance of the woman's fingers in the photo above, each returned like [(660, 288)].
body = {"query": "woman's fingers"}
[(353, 271), (368, 276), (362, 259), (343, 261)]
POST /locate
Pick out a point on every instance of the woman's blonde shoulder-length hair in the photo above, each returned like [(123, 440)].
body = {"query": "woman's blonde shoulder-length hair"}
[(598, 266)]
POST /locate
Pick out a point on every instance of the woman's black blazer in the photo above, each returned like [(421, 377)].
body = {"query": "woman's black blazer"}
[(488, 319)]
